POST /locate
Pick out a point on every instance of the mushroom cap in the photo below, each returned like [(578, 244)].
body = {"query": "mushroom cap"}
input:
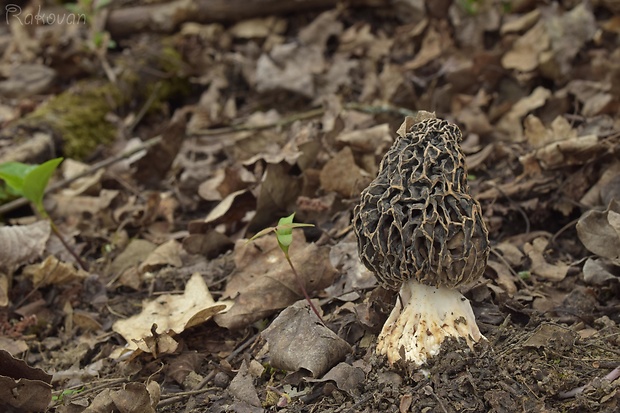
[(416, 220)]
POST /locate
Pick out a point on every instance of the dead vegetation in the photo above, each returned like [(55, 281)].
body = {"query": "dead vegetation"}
[(224, 126)]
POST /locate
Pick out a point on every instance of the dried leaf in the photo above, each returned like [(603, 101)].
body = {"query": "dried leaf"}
[(23, 243), (290, 347), (539, 265), (23, 388), (53, 271), (264, 283), (599, 231), (290, 67), (599, 271), (351, 178), (172, 312), (346, 377), (132, 398), (242, 386), (167, 254)]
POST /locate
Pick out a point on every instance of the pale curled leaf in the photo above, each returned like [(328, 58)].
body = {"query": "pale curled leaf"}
[(599, 231), (20, 244), (535, 251), (172, 312), (599, 271), (52, 271)]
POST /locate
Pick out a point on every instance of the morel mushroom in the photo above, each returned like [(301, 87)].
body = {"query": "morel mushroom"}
[(418, 228)]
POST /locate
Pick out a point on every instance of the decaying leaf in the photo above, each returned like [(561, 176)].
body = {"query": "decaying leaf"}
[(264, 283), (169, 253), (505, 279), (23, 243), (599, 271), (53, 271), (346, 377), (510, 123), (297, 341), (242, 386), (525, 53), (132, 398), (351, 178), (290, 67), (23, 388), (171, 313), (4, 289), (539, 265), (353, 274), (599, 231), (136, 252)]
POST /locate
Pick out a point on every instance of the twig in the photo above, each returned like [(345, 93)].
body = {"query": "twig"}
[(58, 234), (312, 113), (20, 202), (615, 373)]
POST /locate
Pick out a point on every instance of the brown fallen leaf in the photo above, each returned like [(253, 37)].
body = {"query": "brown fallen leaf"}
[(23, 388), (342, 175), (53, 271), (599, 271), (346, 377), (171, 313), (599, 231), (539, 265), (169, 253), (264, 283), (242, 386), (23, 243), (525, 52), (297, 341), (132, 398)]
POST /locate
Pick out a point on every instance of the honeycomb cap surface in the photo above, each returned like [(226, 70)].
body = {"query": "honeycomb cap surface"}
[(416, 219)]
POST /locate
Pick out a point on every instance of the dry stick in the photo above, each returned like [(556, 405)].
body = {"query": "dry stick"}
[(313, 113), (58, 234), (20, 202), (615, 373)]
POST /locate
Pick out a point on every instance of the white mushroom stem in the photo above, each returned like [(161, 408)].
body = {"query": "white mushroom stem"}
[(430, 315)]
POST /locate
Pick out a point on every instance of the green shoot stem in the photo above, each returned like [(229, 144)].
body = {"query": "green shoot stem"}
[(303, 288)]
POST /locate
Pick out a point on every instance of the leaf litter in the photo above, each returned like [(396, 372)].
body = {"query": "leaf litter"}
[(292, 113)]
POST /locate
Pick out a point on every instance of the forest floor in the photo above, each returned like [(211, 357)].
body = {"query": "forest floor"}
[(192, 137)]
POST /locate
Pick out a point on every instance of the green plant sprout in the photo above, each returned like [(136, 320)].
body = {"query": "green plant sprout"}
[(30, 182), (284, 235), (89, 9), (59, 398)]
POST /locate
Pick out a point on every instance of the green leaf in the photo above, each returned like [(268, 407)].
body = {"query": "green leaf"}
[(284, 232), (262, 233), (36, 181), (14, 173)]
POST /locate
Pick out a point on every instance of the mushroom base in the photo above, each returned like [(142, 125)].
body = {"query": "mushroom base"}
[(430, 315)]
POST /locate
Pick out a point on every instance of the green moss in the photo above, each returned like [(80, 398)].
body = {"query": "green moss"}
[(150, 73), (78, 117)]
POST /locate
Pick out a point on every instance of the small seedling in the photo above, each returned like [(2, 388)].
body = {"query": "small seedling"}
[(30, 182), (284, 235), (59, 397)]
